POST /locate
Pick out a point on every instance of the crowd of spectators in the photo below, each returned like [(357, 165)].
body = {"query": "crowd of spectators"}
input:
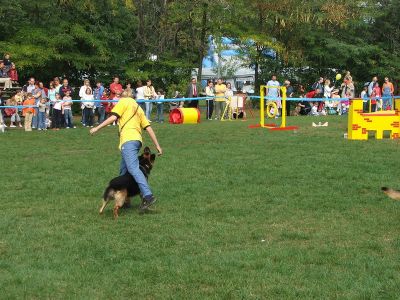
[(52, 106), (374, 96), (8, 72)]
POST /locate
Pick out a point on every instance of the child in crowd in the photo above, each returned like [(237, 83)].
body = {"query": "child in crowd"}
[(105, 106), (67, 110), (42, 105), (314, 109), (160, 107), (328, 89), (376, 103), (2, 125), (13, 74), (15, 118), (116, 98), (57, 112), (364, 96), (28, 112), (88, 108)]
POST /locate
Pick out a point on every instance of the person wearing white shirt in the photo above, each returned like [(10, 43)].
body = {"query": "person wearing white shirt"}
[(273, 92), (140, 94), (88, 104), (327, 89)]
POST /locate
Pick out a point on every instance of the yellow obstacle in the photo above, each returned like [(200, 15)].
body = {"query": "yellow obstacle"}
[(272, 104), (360, 123), (184, 116)]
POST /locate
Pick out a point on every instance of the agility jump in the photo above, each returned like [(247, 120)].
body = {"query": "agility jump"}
[(267, 110)]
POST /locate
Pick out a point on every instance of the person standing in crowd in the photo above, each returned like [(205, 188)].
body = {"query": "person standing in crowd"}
[(375, 96), (128, 90), (328, 89), (57, 112), (42, 105), (192, 92), (28, 112), (387, 94), (67, 110), (273, 92), (364, 97), (140, 94), (131, 122), (210, 102), (82, 94), (30, 86), (372, 85), (88, 108), (57, 84), (160, 106), (229, 91), (64, 88), (220, 89), (44, 89), (228, 96), (319, 84), (51, 95), (115, 87), (149, 94), (98, 92), (289, 94), (4, 77), (38, 94)]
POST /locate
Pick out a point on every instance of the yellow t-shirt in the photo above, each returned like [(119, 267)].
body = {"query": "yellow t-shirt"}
[(131, 127), (220, 90)]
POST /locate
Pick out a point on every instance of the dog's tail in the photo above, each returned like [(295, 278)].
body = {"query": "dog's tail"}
[(391, 193), (108, 193)]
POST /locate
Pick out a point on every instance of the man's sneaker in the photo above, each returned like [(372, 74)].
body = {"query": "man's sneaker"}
[(12, 126), (147, 202)]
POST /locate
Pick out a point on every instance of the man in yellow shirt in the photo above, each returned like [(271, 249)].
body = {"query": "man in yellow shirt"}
[(220, 90), (131, 122)]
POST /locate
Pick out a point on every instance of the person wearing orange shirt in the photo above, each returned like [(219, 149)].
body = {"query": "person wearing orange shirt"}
[(387, 93), (28, 112)]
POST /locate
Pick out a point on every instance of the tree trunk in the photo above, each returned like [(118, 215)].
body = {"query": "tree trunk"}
[(203, 40)]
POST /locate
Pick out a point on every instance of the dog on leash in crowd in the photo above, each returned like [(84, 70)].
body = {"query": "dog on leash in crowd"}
[(123, 187), (391, 193)]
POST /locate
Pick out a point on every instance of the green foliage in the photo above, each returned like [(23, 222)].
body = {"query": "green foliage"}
[(78, 38)]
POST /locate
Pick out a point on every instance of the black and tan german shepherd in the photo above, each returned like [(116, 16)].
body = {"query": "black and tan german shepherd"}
[(391, 193), (123, 187)]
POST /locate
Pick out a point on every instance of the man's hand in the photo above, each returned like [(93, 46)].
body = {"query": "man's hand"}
[(160, 152), (93, 130)]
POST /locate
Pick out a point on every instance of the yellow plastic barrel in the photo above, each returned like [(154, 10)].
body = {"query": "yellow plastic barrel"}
[(184, 116)]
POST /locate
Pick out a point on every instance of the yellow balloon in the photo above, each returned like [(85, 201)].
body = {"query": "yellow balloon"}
[(338, 76)]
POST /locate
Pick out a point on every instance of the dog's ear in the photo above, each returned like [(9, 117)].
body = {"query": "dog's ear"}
[(146, 150), (152, 158)]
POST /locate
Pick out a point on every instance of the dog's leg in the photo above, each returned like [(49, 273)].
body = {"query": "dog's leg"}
[(120, 197)]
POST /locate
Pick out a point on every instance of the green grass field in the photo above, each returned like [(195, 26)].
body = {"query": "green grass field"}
[(241, 214)]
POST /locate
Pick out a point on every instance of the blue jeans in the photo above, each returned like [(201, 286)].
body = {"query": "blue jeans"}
[(88, 116), (130, 163), (42, 120), (149, 107), (160, 112), (101, 114), (35, 118), (68, 118)]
